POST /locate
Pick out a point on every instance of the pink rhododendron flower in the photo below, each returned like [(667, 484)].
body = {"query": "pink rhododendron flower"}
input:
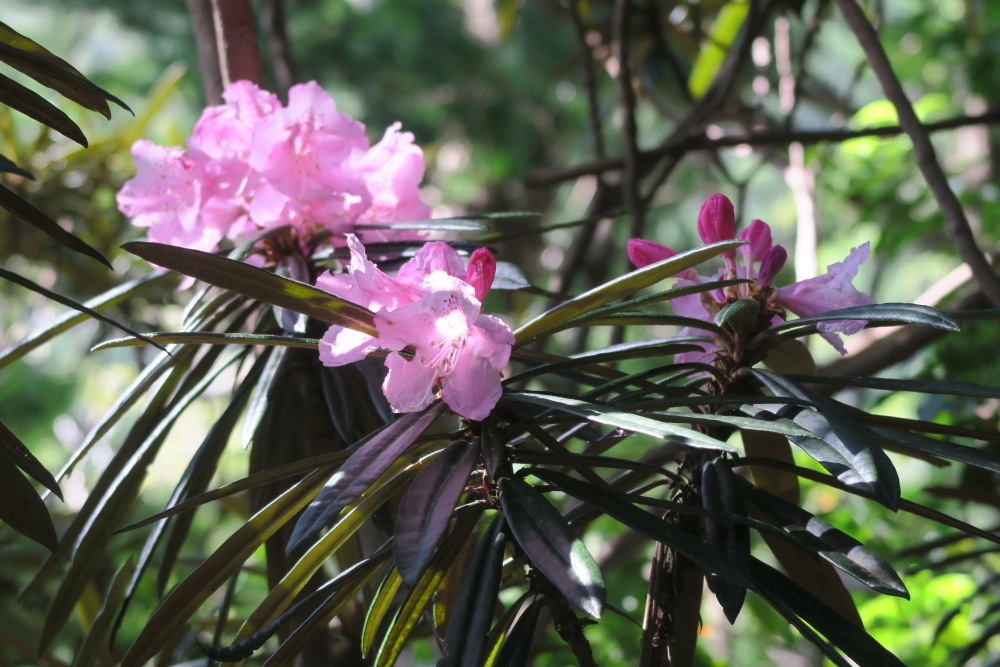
[(432, 312), (762, 260), (252, 164)]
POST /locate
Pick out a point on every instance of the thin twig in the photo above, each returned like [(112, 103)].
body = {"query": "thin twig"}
[(626, 95), (550, 177), (272, 18), (589, 80), (923, 150)]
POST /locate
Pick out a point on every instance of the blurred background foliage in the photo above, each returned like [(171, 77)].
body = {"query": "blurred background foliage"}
[(494, 91)]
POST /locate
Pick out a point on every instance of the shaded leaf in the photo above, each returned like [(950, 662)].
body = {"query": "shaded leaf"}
[(516, 649), (922, 386), (719, 493), (9, 167), (551, 546), (182, 602), (15, 450), (36, 107), (96, 645), (367, 462), (427, 506), (628, 421), (209, 338), (256, 283), (880, 313), (19, 207), (22, 509)]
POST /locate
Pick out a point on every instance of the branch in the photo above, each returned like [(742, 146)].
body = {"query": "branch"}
[(550, 177), (208, 56), (631, 176), (923, 150), (236, 35)]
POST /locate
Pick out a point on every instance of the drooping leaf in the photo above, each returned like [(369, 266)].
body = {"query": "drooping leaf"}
[(834, 546), (381, 604), (516, 648), (618, 288), (653, 527), (21, 508), (628, 421), (551, 546), (922, 386), (9, 167), (256, 283), (369, 460), (36, 107), (719, 492), (34, 60), (469, 618), (427, 507), (843, 446), (15, 450), (848, 637), (66, 301), (99, 635)]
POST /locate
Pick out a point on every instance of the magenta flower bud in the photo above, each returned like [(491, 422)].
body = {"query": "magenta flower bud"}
[(481, 272), (772, 262), (643, 253), (717, 221), (758, 238)]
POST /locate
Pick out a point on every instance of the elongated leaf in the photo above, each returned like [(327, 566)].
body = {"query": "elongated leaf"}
[(719, 492), (618, 288), (923, 386), (629, 421), (21, 508), (70, 320), (9, 167), (184, 600), (66, 301), (210, 338), (469, 618), (551, 546), (257, 404), (844, 447), (665, 295), (15, 450), (516, 649), (33, 59), (834, 546), (34, 106), (98, 640), (653, 527), (28, 213), (880, 313), (366, 464), (380, 606), (849, 638), (421, 594), (948, 450), (427, 506), (256, 283)]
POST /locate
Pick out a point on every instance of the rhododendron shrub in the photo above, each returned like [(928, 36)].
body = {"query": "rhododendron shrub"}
[(252, 164)]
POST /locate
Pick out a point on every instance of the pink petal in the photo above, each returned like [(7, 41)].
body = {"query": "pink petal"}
[(831, 291), (432, 256), (758, 237), (409, 386), (340, 346), (473, 388), (643, 253)]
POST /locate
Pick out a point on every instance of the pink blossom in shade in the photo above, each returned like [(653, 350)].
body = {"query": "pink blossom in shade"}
[(643, 253), (481, 272), (831, 291), (717, 222), (430, 319), (758, 238)]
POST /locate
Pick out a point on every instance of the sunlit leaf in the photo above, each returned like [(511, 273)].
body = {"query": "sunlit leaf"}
[(551, 546)]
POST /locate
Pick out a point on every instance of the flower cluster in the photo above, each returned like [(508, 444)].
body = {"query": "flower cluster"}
[(762, 260), (252, 164), (429, 317)]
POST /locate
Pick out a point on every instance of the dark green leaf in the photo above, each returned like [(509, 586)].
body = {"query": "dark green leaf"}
[(19, 207), (884, 314), (843, 446), (369, 460), (34, 106), (7, 166), (12, 447), (551, 546), (840, 549), (923, 386), (628, 421), (99, 636), (256, 283), (209, 338), (427, 506), (719, 493), (617, 289), (516, 650), (21, 508), (653, 527), (24, 282)]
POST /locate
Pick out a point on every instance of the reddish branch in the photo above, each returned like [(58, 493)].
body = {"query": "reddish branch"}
[(923, 150)]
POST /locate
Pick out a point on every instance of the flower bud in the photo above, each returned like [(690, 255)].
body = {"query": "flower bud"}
[(758, 238), (643, 253), (481, 272), (717, 221), (772, 262)]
